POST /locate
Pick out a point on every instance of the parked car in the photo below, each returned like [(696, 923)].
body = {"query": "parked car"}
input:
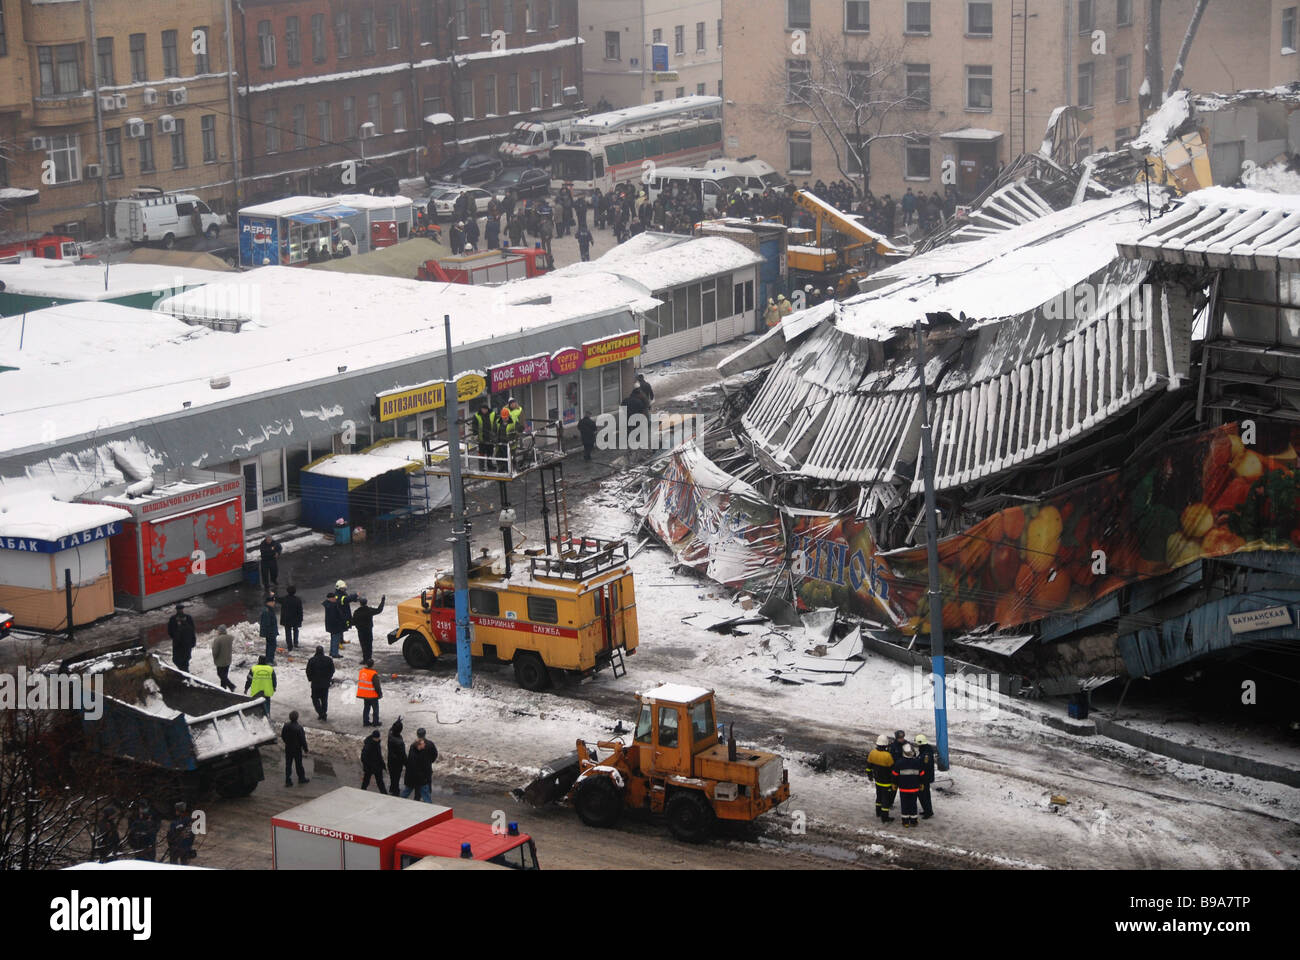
[(441, 202), (6, 623), (525, 181), (370, 178), (471, 168)]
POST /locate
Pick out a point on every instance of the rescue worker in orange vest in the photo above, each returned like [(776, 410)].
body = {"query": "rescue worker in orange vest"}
[(909, 771), (369, 692), (880, 763)]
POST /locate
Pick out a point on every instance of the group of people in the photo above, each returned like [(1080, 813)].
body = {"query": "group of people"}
[(498, 433), (904, 769), (412, 767), (141, 842)]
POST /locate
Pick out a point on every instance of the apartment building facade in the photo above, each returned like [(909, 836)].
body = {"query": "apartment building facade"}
[(99, 97), (622, 66), (397, 83), (961, 87)]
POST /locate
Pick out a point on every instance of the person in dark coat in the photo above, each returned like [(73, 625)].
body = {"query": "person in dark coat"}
[(456, 238), (269, 629), (484, 432), (269, 564), (880, 764), (320, 669), (335, 622), (584, 242), (345, 602), (396, 757), (291, 617), (635, 403), (142, 833), (419, 768), (925, 753), (222, 654), (580, 209), (180, 837), (295, 745), (372, 762), (363, 618), (106, 842), (647, 391), (181, 629), (471, 232), (909, 783), (492, 233), (896, 745), (587, 431)]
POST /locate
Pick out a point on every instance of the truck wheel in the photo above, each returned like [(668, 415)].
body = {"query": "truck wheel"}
[(531, 672), (416, 651), (169, 241), (213, 232), (690, 818), (598, 802), (232, 788)]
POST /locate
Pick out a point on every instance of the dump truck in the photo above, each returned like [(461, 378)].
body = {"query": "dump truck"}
[(571, 614), (677, 764), (351, 829), (191, 735)]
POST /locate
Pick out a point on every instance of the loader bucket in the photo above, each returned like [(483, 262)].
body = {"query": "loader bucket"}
[(553, 783)]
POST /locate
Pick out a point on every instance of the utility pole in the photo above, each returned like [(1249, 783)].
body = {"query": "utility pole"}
[(938, 671), (460, 540)]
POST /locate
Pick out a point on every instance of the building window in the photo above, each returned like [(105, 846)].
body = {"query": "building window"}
[(859, 75), (857, 16), (367, 29), (208, 128), (1123, 69), (427, 31), (399, 110), (1124, 13), (798, 80), (657, 35), (1122, 136), (799, 150), (1084, 98), (292, 41), (485, 19), (917, 159), (4, 43), (265, 45), (508, 23), (1087, 16), (178, 146), (105, 75), (462, 21), (146, 150), (171, 63), (113, 151), (271, 124), (699, 37), (1288, 30), (139, 61), (202, 62), (679, 39), (65, 150), (374, 112), (858, 153), (512, 93), (553, 14), (530, 15), (318, 38), (612, 51), (659, 96), (490, 96), (700, 89), (979, 88), (979, 18), (798, 14), (918, 17), (719, 33), (298, 121), (719, 87), (1084, 147), (325, 121), (535, 88), (681, 92), (917, 79), (393, 26), (349, 118), (60, 69), (465, 89), (342, 34), (557, 85)]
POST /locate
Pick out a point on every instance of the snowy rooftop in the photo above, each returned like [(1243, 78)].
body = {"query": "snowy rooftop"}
[(675, 692), (38, 516), (1224, 227), (61, 334), (73, 280), (362, 813), (664, 266)]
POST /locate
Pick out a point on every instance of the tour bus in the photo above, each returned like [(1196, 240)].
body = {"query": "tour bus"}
[(711, 189), (622, 156), (599, 124)]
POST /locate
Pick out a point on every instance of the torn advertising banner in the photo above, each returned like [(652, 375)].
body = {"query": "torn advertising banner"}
[(1206, 496), (715, 524)]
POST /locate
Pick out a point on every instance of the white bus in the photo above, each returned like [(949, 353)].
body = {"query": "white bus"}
[(599, 124), (623, 156)]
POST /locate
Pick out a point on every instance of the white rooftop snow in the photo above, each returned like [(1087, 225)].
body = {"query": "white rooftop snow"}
[(76, 280), (972, 133), (670, 266), (60, 334), (38, 516), (675, 692)]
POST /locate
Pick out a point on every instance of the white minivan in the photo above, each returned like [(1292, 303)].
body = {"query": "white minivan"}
[(710, 189), (534, 139), (757, 175), (152, 216)]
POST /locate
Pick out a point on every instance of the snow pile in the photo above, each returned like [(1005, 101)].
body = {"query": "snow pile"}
[(1274, 178), (1162, 125), (36, 515)]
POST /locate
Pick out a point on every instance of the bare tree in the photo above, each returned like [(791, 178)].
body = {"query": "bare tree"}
[(1185, 49), (852, 93)]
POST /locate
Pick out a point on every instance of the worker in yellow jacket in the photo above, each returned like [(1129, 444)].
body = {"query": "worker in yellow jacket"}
[(880, 764), (261, 682)]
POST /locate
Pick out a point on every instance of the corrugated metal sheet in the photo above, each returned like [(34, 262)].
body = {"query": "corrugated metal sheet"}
[(1014, 204), (865, 437), (1221, 227)]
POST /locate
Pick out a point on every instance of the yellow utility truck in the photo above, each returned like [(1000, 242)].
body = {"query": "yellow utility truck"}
[(571, 613)]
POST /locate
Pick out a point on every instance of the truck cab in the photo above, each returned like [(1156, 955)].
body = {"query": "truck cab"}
[(574, 614)]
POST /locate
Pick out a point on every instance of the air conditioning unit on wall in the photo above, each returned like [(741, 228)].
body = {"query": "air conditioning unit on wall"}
[(121, 100), (135, 128), (177, 97), (38, 143), (94, 171), (150, 96), (108, 102), (167, 123)]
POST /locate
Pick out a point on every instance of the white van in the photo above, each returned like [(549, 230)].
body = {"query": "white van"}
[(710, 188), (531, 139), (151, 216), (758, 175)]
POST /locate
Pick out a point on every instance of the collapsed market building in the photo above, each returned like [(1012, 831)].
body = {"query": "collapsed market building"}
[(1113, 392)]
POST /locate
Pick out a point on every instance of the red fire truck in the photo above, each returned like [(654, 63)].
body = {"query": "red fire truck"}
[(49, 247)]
